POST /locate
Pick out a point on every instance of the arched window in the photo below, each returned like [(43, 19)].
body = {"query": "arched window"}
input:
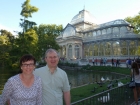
[(94, 33), (132, 48), (124, 48), (98, 32), (116, 48), (108, 30), (107, 48), (123, 30), (138, 48), (91, 50), (64, 51), (101, 49), (103, 31), (90, 34), (95, 49), (85, 35), (115, 30), (70, 51), (86, 50), (77, 51)]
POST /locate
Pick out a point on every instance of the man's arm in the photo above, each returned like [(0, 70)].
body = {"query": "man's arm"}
[(67, 97)]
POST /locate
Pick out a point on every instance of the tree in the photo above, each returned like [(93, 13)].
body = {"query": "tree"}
[(46, 37), (26, 41), (134, 21), (26, 12), (6, 42)]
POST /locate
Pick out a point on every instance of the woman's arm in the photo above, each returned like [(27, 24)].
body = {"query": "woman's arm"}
[(7, 91)]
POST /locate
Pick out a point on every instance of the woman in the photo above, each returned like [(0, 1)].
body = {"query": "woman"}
[(23, 88), (136, 69)]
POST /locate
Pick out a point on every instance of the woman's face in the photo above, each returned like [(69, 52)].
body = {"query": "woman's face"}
[(28, 67)]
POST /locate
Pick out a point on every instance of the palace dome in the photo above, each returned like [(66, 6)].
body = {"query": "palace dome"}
[(83, 16)]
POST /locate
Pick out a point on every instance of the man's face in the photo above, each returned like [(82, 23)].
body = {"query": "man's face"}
[(52, 59)]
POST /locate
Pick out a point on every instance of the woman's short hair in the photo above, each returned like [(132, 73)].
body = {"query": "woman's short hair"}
[(26, 58)]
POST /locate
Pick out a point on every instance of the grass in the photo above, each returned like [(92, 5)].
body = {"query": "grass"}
[(109, 69)]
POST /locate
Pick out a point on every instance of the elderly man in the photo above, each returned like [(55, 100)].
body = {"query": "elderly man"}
[(54, 80)]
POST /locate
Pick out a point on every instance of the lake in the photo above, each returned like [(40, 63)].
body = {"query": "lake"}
[(78, 78)]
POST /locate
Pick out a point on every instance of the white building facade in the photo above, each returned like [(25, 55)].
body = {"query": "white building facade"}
[(83, 38)]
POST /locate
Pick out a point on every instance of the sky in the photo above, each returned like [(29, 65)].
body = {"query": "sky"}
[(62, 11)]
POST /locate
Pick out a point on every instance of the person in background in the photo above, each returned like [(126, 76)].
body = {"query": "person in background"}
[(136, 69), (117, 62), (126, 63), (112, 61), (93, 61), (129, 63), (23, 88), (54, 80), (101, 62)]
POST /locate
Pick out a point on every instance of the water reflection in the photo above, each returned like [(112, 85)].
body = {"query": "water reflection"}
[(78, 78)]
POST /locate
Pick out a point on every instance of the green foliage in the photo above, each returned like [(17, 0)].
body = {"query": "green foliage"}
[(26, 43), (33, 40), (47, 35), (135, 21), (6, 40), (15, 66), (28, 9), (26, 12), (138, 51)]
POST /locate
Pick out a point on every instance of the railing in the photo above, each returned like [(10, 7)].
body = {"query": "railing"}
[(122, 95)]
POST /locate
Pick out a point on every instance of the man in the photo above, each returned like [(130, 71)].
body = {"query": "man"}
[(54, 80)]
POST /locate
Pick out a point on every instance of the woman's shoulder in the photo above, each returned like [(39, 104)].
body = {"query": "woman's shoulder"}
[(13, 80), (15, 77)]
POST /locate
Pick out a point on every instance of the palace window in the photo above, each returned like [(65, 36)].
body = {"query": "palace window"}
[(77, 51), (70, 51)]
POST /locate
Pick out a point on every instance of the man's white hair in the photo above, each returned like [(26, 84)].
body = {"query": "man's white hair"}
[(51, 50)]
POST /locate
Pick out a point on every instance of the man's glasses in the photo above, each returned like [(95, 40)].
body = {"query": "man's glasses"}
[(28, 65)]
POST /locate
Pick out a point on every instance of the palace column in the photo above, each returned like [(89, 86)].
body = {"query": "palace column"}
[(67, 51)]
